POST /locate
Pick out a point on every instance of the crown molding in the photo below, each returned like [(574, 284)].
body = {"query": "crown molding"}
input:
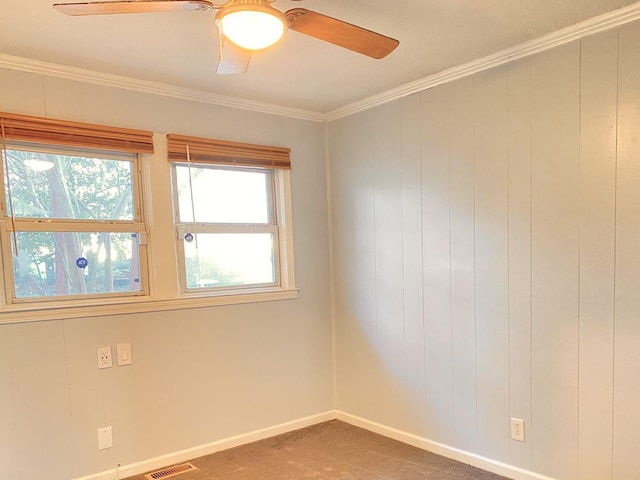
[(109, 80), (592, 26)]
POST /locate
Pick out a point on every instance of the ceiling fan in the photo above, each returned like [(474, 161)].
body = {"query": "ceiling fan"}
[(248, 25)]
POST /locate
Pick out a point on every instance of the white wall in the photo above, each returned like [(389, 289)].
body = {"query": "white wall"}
[(198, 375), (486, 241)]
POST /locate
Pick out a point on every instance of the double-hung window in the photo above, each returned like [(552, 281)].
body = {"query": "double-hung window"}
[(72, 225), (74, 239), (231, 207)]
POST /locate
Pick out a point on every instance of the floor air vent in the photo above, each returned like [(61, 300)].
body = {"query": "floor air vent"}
[(171, 471)]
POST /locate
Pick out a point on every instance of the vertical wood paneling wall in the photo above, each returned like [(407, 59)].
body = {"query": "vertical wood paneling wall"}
[(626, 323), (486, 238)]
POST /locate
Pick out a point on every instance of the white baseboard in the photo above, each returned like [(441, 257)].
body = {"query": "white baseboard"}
[(125, 471), (484, 463)]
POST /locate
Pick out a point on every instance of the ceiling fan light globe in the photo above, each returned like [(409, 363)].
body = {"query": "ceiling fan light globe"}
[(252, 29)]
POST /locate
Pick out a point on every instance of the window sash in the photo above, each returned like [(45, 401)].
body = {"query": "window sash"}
[(6, 231), (136, 189), (271, 192), (227, 229)]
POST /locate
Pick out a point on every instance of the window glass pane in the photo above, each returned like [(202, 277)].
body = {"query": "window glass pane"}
[(229, 259), (48, 185), (73, 263), (223, 196)]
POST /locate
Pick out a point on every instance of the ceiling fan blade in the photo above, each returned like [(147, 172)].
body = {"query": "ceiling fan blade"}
[(340, 33), (233, 59), (131, 6)]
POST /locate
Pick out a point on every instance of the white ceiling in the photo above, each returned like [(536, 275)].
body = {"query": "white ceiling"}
[(180, 49)]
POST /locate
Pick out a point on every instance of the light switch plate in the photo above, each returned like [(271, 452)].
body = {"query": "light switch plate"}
[(105, 438), (124, 354)]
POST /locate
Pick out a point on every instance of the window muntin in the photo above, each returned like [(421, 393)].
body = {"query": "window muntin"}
[(233, 242), (74, 229)]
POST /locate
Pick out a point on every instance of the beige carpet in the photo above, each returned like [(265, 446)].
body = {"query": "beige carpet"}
[(329, 451)]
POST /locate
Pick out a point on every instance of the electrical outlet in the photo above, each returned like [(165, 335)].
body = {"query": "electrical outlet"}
[(517, 429), (124, 354), (105, 438), (104, 357)]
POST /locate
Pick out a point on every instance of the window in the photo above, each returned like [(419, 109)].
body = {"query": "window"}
[(231, 209), (74, 235), (71, 225)]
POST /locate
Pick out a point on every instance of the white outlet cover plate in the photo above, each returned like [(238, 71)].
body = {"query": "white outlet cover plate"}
[(104, 357), (517, 429)]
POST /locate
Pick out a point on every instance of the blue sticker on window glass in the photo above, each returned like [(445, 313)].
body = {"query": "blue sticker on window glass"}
[(82, 262)]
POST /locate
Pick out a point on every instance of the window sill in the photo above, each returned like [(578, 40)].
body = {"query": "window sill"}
[(57, 311)]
